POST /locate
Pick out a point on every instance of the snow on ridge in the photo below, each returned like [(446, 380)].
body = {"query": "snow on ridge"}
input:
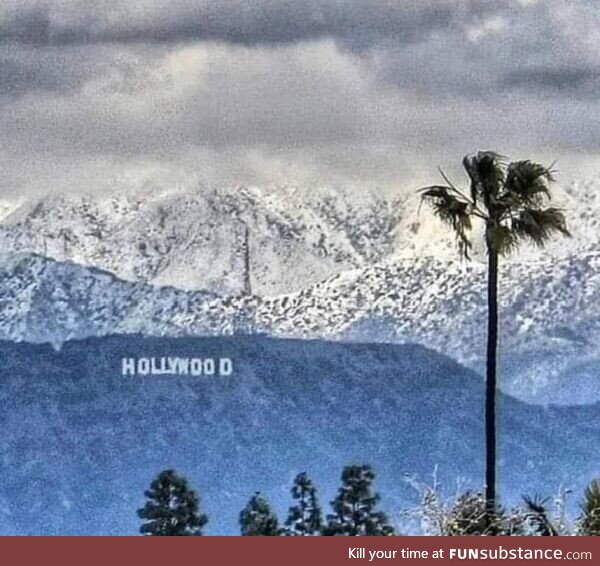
[(192, 239), (322, 266), (549, 309)]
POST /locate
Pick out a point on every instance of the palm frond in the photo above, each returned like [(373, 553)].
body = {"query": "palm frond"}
[(537, 516), (486, 170), (491, 154), (590, 508), (477, 172), (527, 182), (592, 497), (452, 210), (471, 169), (539, 224), (503, 239)]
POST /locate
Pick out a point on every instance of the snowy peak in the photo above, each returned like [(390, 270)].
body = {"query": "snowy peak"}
[(420, 233), (298, 237), (193, 240), (322, 266)]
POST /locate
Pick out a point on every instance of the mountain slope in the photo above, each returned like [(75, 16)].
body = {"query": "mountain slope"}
[(549, 312), (550, 319), (46, 301), (81, 442), (193, 240)]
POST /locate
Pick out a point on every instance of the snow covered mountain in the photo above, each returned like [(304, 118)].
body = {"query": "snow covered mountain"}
[(550, 317), (550, 313), (366, 269), (193, 240), (419, 233), (42, 300)]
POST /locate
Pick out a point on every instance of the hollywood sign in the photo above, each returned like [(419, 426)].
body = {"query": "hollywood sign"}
[(196, 367)]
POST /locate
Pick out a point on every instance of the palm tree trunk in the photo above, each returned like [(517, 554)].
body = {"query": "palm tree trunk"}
[(490, 381)]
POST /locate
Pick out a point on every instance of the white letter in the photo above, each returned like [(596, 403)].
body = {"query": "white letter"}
[(209, 366), (182, 366), (196, 366), (143, 366), (128, 366), (159, 368), (225, 367), (171, 366)]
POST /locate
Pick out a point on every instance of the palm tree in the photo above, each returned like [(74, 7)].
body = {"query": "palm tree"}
[(590, 511), (509, 199)]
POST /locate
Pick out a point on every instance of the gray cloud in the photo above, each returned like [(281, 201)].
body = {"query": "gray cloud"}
[(354, 22), (572, 79), (29, 70), (19, 77), (351, 93)]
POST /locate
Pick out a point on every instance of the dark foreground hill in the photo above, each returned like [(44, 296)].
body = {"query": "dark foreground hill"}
[(81, 442)]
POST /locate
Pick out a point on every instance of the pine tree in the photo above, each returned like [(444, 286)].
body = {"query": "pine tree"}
[(172, 508), (590, 508), (257, 519), (354, 507), (304, 517)]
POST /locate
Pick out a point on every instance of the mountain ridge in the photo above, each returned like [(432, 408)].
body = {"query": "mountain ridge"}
[(191, 239), (438, 304), (321, 266)]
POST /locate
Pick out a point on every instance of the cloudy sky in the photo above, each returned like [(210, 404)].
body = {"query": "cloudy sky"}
[(352, 93)]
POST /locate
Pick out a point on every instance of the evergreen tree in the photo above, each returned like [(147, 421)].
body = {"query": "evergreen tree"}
[(172, 508), (509, 200), (590, 508), (304, 518), (257, 519), (354, 507)]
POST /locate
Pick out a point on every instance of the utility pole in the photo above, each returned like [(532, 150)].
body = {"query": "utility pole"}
[(247, 265), (243, 322)]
